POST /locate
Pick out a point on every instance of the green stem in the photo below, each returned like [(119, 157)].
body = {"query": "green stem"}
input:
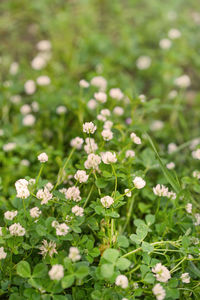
[(40, 172), (180, 262), (128, 214), (115, 179), (88, 197)]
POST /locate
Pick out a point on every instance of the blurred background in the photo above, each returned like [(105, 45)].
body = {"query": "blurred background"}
[(47, 47)]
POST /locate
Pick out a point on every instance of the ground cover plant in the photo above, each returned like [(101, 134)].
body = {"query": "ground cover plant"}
[(99, 150)]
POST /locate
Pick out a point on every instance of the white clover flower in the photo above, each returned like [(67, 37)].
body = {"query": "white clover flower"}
[(81, 176), (101, 118), (48, 248), (127, 192), (44, 45), (92, 104), (196, 174), (21, 186), (143, 62), (160, 190), (74, 254), (174, 33), (16, 99), (196, 154), (135, 138), (122, 281), (25, 162), (171, 195), (197, 221), (107, 201), (118, 111), (61, 110), (29, 120), (156, 125), (43, 80), (130, 153), (170, 165), (159, 292), (185, 277), (84, 84), (14, 67), (78, 211), (49, 186), (77, 142), (108, 125), (100, 82), (25, 109), (44, 195), (17, 230), (162, 274), (142, 98), (108, 157), (116, 93), (183, 81), (54, 224), (165, 44), (35, 106), (90, 146), (73, 193), (31, 181), (101, 97), (43, 157), (89, 127), (62, 229), (107, 134), (172, 94), (10, 215), (38, 62), (3, 254), (92, 161), (56, 272), (1, 233), (35, 212), (9, 147), (194, 143), (105, 112), (139, 183), (172, 147), (29, 87)]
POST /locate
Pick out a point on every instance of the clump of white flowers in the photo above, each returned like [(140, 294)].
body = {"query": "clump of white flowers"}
[(127, 192), (3, 254), (35, 212), (77, 142), (10, 215), (74, 254), (174, 33), (108, 157), (99, 82), (29, 87), (165, 43), (62, 229), (183, 81), (107, 201), (130, 153), (43, 157), (188, 208), (73, 193), (93, 161), (162, 274), (89, 127), (84, 84), (196, 154), (78, 211), (139, 182), (90, 145), (101, 97), (122, 281), (159, 291), (135, 138), (107, 134), (162, 191), (17, 230), (116, 93), (185, 277), (56, 272), (48, 248), (44, 195), (143, 62), (21, 186), (81, 176)]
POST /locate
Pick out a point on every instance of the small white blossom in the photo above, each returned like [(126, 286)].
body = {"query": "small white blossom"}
[(35, 212), (100, 82), (107, 201), (170, 165), (77, 143), (105, 112), (101, 118), (9, 147), (73, 193), (25, 109), (44, 195), (143, 62), (116, 93), (17, 230), (56, 272), (16, 99), (173, 94), (139, 183), (78, 211), (49, 186), (101, 97), (183, 81), (14, 67), (74, 254), (48, 248), (21, 186), (159, 292), (92, 104), (119, 111), (174, 33), (142, 98), (160, 190), (30, 87), (44, 45), (25, 162), (108, 157), (81, 176), (172, 147), (92, 161), (38, 62), (62, 229), (162, 274), (127, 192), (89, 127), (84, 84), (197, 217), (156, 125), (122, 281), (43, 80), (196, 174), (196, 154), (185, 277), (43, 157), (29, 120), (135, 138), (165, 44), (130, 153), (107, 134), (3, 254), (10, 215), (90, 146), (108, 125), (61, 110)]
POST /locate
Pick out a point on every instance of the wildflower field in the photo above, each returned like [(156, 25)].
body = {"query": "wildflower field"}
[(99, 149)]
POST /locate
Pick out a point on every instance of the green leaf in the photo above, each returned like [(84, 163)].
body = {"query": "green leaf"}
[(107, 270), (40, 271), (112, 214), (23, 269), (41, 230), (82, 272), (123, 263), (150, 219), (122, 241), (67, 281), (101, 183), (146, 247), (111, 255), (135, 238), (142, 231), (94, 252), (149, 278)]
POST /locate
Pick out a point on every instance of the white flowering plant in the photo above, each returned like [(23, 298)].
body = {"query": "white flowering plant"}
[(99, 186)]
